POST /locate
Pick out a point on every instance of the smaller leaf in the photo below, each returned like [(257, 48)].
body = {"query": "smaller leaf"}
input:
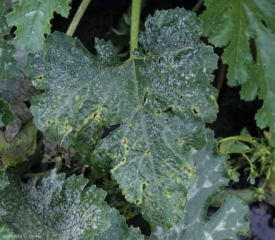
[(32, 19), (6, 113), (53, 207), (4, 7), (232, 146), (22, 146), (119, 230)]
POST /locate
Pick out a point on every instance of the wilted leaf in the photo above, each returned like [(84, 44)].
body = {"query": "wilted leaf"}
[(247, 31), (227, 223), (55, 208), (160, 98), (22, 146), (32, 19)]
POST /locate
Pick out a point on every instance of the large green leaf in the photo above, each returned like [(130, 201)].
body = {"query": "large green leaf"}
[(247, 31), (227, 223), (6, 113), (55, 208), (32, 19), (160, 99), (119, 230)]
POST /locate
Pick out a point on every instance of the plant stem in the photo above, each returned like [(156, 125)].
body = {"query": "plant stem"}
[(80, 11), (197, 6), (136, 4)]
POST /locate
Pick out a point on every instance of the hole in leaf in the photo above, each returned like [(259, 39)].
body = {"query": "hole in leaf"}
[(211, 211), (170, 110), (28, 104), (253, 49), (195, 111), (158, 111), (139, 221), (264, 23), (108, 130), (157, 99), (40, 77), (144, 99), (144, 186)]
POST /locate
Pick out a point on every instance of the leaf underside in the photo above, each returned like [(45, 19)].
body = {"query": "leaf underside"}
[(160, 100), (247, 31), (227, 223), (32, 20), (57, 208)]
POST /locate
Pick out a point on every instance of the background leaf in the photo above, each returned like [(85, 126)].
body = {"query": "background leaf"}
[(246, 29), (4, 8), (55, 208), (6, 113), (227, 223), (3, 183), (159, 98), (233, 146), (119, 229), (8, 65), (32, 19)]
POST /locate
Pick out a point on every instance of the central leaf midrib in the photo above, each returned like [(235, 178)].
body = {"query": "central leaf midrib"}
[(140, 109)]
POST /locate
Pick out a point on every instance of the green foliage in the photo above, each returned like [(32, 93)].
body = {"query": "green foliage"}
[(22, 146), (227, 223), (4, 28), (254, 154), (57, 208), (246, 30), (37, 15), (8, 65), (119, 229), (3, 183), (157, 149), (153, 144), (6, 113)]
